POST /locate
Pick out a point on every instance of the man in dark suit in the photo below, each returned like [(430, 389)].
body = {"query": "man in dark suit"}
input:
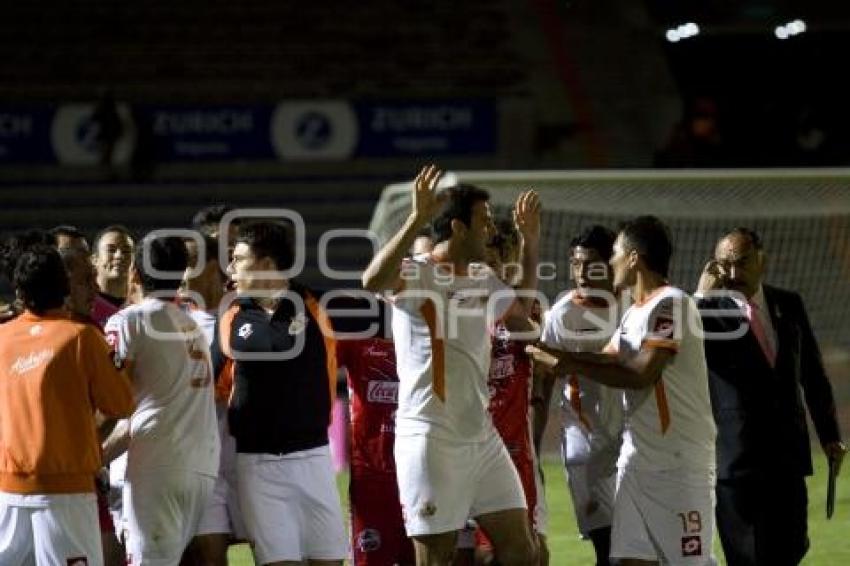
[(762, 359)]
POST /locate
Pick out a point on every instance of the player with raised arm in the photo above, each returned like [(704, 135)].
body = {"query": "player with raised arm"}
[(450, 460), (583, 320), (509, 384), (664, 505)]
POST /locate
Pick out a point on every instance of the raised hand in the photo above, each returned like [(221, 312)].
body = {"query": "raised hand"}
[(712, 277), (425, 201), (527, 215)]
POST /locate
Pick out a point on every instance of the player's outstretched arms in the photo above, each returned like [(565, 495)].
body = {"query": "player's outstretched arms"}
[(383, 271), (639, 372)]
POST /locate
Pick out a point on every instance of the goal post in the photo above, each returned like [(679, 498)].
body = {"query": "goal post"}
[(803, 216)]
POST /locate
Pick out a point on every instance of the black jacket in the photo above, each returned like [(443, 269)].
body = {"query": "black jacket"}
[(278, 403), (761, 423)]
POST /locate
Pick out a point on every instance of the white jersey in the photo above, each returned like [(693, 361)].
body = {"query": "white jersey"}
[(442, 331), (592, 411), (668, 425), (206, 322), (174, 425)]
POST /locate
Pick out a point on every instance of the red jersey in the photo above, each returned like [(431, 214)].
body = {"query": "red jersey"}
[(373, 392), (509, 383)]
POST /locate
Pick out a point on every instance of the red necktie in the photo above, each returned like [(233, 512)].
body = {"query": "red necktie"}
[(760, 333)]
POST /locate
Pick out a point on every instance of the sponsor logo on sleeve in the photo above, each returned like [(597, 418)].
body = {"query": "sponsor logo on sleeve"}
[(691, 546), (298, 324)]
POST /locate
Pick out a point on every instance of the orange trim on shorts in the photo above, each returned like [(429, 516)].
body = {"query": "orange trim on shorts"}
[(438, 350), (663, 407)]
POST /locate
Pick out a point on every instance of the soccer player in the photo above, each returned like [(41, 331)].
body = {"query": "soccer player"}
[(221, 521), (377, 528), (54, 373), (112, 254), (173, 452), (664, 505), (583, 320), (81, 295), (282, 359), (66, 236), (509, 383), (450, 461)]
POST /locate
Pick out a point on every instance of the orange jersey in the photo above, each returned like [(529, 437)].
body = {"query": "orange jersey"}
[(54, 372)]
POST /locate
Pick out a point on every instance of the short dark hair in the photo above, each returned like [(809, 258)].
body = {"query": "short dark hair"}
[(120, 228), (210, 245), (40, 279), (748, 233), (459, 202), (268, 239), (598, 238), (651, 239), (207, 219), (66, 230), (164, 254)]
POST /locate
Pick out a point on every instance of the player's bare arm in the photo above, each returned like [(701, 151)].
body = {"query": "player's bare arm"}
[(527, 220), (117, 442), (383, 272), (639, 372)]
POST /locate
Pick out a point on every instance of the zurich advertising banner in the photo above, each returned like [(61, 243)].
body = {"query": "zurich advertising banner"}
[(25, 135), (207, 133), (405, 128), (339, 130), (303, 130)]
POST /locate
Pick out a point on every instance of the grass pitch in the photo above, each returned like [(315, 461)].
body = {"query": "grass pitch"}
[(830, 544)]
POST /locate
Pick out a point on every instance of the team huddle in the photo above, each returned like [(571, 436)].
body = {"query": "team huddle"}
[(207, 389)]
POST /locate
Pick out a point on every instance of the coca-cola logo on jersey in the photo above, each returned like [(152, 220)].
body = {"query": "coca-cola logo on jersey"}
[(382, 392)]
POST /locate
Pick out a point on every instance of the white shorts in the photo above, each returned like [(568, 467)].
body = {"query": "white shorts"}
[(117, 472), (665, 516), (222, 514), (442, 483), (49, 529), (162, 510), (592, 497), (291, 506)]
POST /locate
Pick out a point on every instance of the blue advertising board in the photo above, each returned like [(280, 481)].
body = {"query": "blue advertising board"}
[(433, 128), (25, 134), (213, 133)]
